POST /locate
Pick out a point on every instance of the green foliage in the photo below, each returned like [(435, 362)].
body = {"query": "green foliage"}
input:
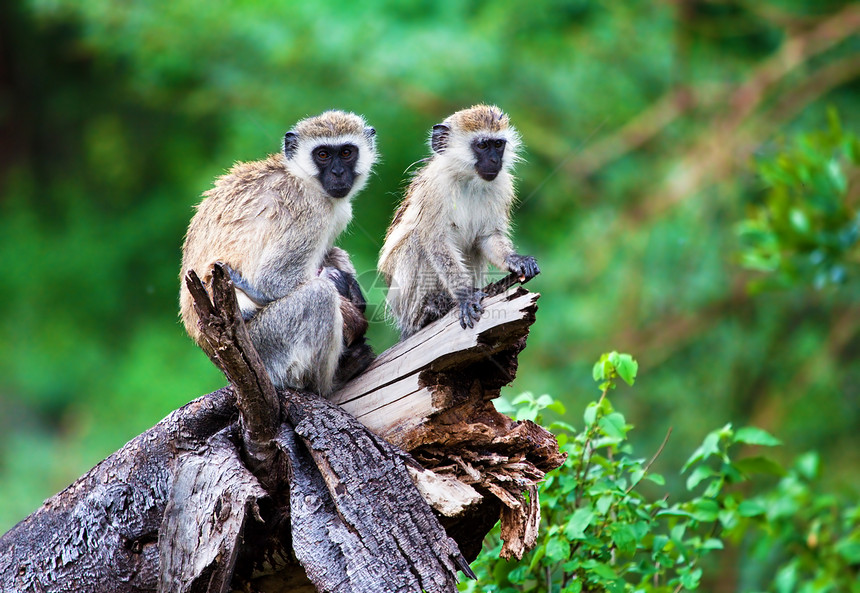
[(802, 539), (605, 529), (806, 226), (637, 119)]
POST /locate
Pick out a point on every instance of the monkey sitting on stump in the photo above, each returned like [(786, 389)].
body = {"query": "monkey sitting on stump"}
[(273, 224), (454, 219)]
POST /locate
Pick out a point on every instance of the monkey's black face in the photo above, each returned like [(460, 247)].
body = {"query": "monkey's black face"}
[(336, 166), (488, 157)]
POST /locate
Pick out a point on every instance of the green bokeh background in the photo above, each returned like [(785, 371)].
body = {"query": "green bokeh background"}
[(641, 123)]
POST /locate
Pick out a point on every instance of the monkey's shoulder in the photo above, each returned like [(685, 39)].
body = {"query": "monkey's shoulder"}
[(254, 189), (253, 175)]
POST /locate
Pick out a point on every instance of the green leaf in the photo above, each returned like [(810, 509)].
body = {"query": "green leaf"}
[(751, 508), (786, 579), (656, 478), (578, 523), (604, 571), (557, 550), (603, 503), (557, 407), (752, 435), (524, 398), (808, 464), (675, 512), (710, 446), (503, 406), (849, 549), (712, 543), (624, 537), (561, 426), (759, 465), (590, 414), (705, 510), (614, 425), (626, 368), (690, 579), (544, 401), (702, 472)]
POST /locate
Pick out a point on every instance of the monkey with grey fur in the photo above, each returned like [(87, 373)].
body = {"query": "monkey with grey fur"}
[(453, 221), (273, 224)]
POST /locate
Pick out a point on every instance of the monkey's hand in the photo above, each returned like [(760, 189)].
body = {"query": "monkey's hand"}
[(346, 285), (524, 266), (250, 299), (470, 307)]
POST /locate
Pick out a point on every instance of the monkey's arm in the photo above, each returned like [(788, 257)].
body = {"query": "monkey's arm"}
[(250, 298), (500, 251)]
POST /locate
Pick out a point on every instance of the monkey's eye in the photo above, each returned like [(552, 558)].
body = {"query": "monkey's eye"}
[(482, 145), (323, 155), (499, 143), (346, 153)]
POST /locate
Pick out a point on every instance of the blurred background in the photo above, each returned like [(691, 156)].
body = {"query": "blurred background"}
[(690, 189)]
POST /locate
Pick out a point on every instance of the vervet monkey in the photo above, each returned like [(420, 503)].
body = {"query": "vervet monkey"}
[(454, 219), (273, 223)]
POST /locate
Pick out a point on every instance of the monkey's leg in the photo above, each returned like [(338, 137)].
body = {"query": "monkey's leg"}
[(435, 306), (300, 336), (458, 280)]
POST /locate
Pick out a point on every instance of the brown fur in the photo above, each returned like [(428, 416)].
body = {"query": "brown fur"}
[(488, 118), (330, 124)]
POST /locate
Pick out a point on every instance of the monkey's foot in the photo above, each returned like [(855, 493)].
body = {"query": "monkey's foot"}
[(471, 308)]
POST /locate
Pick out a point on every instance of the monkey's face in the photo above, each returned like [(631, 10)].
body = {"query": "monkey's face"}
[(489, 153), (336, 166)]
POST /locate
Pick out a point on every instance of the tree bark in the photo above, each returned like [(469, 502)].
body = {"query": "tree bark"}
[(221, 496)]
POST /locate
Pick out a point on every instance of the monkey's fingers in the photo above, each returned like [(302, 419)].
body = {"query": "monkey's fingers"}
[(524, 266)]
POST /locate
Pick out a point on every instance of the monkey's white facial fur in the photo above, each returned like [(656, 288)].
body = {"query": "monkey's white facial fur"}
[(456, 146), (331, 129)]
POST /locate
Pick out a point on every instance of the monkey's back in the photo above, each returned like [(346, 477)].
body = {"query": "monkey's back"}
[(244, 221)]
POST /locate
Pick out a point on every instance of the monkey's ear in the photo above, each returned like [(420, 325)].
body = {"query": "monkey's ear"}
[(439, 139), (291, 142), (369, 133)]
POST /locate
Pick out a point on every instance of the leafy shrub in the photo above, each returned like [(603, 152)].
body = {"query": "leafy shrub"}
[(601, 533)]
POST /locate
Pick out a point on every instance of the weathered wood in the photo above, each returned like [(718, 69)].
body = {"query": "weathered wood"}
[(230, 348), (210, 497), (438, 409), (392, 396), (101, 533), (335, 440), (391, 540)]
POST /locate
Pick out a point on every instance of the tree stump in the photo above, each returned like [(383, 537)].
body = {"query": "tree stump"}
[(251, 489)]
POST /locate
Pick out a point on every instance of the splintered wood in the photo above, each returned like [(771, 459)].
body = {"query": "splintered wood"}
[(431, 395)]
